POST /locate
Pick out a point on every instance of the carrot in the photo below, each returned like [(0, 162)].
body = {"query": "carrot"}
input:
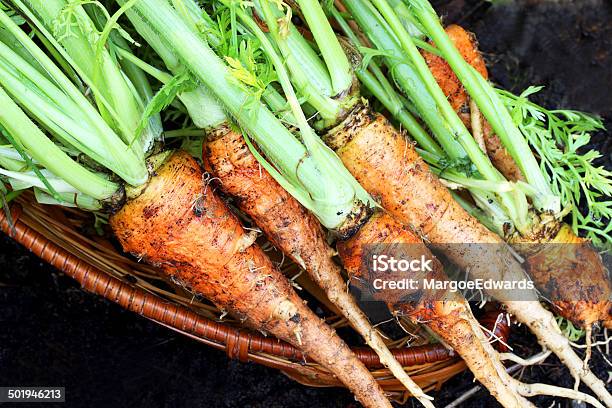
[(460, 100), (554, 257), (444, 74), (484, 370), (293, 230), (297, 233), (552, 267), (185, 229), (170, 218), (447, 314), (386, 164), (498, 154), (198, 58)]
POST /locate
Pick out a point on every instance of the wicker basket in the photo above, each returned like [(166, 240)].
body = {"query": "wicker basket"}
[(57, 236)]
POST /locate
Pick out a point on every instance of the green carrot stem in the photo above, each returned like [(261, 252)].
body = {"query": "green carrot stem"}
[(484, 217), (411, 24), (278, 104), (381, 35), (327, 161), (296, 164), (490, 105), (337, 63), (50, 97), (310, 139), (78, 200), (44, 151), (309, 74), (381, 88), (135, 74), (74, 35), (205, 112)]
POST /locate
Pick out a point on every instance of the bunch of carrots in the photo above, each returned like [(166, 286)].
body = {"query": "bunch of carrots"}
[(279, 125)]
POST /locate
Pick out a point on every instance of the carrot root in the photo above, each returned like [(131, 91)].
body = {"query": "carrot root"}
[(450, 317), (185, 229), (542, 323), (294, 231), (388, 166), (549, 267), (531, 390), (543, 266)]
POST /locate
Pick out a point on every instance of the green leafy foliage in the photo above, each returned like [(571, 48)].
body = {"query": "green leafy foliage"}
[(461, 165), (571, 332), (367, 54), (17, 18), (250, 66), (559, 137), (165, 96)]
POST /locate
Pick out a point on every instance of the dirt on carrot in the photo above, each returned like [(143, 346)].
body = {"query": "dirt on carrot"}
[(387, 165), (285, 221), (444, 74), (288, 225), (180, 225), (570, 271)]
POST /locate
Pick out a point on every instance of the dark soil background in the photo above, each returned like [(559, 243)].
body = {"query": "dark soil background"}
[(54, 334)]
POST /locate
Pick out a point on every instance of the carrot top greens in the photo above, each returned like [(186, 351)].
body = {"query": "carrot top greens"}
[(265, 78), (546, 144), (84, 37), (32, 84), (222, 53), (559, 138)]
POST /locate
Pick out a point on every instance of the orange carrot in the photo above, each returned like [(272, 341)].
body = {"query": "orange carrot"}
[(386, 164), (552, 267), (446, 313), (293, 230), (181, 226), (498, 154), (444, 74), (568, 268)]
